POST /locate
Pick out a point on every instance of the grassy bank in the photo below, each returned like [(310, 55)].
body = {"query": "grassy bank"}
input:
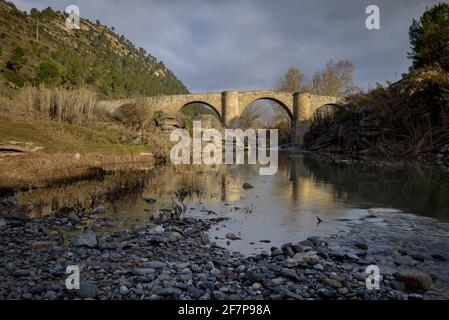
[(70, 138)]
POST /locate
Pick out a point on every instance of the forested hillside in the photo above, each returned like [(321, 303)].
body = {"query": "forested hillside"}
[(37, 48)]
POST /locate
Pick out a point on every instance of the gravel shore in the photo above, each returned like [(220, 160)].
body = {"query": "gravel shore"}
[(175, 259)]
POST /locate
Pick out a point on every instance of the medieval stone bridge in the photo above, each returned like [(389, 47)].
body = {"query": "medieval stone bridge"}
[(230, 104)]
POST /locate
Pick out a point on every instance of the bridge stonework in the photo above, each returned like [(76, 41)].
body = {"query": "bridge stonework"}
[(230, 104)]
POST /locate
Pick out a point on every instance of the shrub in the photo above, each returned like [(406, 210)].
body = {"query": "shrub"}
[(48, 72), (14, 78), (134, 115), (16, 60)]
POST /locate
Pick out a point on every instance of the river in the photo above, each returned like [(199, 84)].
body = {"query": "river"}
[(285, 207)]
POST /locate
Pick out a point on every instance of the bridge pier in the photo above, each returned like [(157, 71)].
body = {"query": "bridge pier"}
[(230, 107), (301, 115)]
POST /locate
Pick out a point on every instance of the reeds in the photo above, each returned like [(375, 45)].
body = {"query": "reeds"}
[(75, 106)]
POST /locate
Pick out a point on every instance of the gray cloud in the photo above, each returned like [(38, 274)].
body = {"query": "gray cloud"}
[(220, 45)]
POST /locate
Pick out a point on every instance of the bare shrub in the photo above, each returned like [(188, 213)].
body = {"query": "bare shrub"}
[(408, 119)]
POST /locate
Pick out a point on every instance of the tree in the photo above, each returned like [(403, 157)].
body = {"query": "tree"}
[(16, 60), (334, 80), (429, 38), (291, 81), (48, 72)]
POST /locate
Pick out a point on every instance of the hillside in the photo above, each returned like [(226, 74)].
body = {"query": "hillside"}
[(37, 48)]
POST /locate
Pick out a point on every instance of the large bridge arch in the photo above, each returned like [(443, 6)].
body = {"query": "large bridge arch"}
[(213, 108), (284, 106)]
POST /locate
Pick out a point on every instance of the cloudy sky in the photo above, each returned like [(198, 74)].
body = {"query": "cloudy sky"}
[(217, 45)]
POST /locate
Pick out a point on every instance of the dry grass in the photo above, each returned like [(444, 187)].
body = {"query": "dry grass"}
[(41, 170)]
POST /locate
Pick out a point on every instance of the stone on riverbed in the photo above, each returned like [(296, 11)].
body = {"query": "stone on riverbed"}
[(305, 259), (88, 290), (99, 210), (149, 200), (232, 236), (40, 245), (246, 185), (86, 240), (414, 279), (154, 264)]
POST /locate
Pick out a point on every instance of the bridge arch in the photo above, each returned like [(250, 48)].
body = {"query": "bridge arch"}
[(210, 106), (272, 99)]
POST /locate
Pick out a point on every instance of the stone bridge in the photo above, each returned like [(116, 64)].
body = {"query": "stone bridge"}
[(230, 104)]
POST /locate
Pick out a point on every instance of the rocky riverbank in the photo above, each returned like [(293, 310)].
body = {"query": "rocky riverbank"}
[(176, 260)]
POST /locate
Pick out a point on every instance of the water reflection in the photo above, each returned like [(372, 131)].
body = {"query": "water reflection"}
[(284, 207)]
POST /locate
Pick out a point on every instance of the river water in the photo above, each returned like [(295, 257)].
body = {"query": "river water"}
[(284, 207)]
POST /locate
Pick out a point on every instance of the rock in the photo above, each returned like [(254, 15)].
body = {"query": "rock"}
[(256, 286), (40, 245), (88, 290), (318, 267), (414, 279), (297, 248), (332, 283), (86, 240), (276, 252), (21, 273), (27, 296), (415, 296), (246, 185), (305, 259), (306, 243), (144, 271), (73, 217), (418, 257), (158, 239), (361, 245), (156, 230), (232, 236), (289, 263), (38, 289), (290, 251), (149, 200), (123, 290), (253, 276), (290, 274), (154, 264), (2, 224), (438, 257), (326, 293), (99, 210), (50, 295), (351, 256), (174, 236)]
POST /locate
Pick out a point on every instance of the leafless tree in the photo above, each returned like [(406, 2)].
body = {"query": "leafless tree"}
[(335, 80), (291, 81)]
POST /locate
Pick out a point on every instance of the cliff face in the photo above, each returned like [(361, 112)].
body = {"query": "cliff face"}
[(38, 48)]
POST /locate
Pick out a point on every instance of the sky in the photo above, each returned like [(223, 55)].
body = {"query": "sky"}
[(219, 45)]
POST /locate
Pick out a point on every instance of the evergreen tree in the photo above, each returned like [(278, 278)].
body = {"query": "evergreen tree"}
[(429, 38)]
